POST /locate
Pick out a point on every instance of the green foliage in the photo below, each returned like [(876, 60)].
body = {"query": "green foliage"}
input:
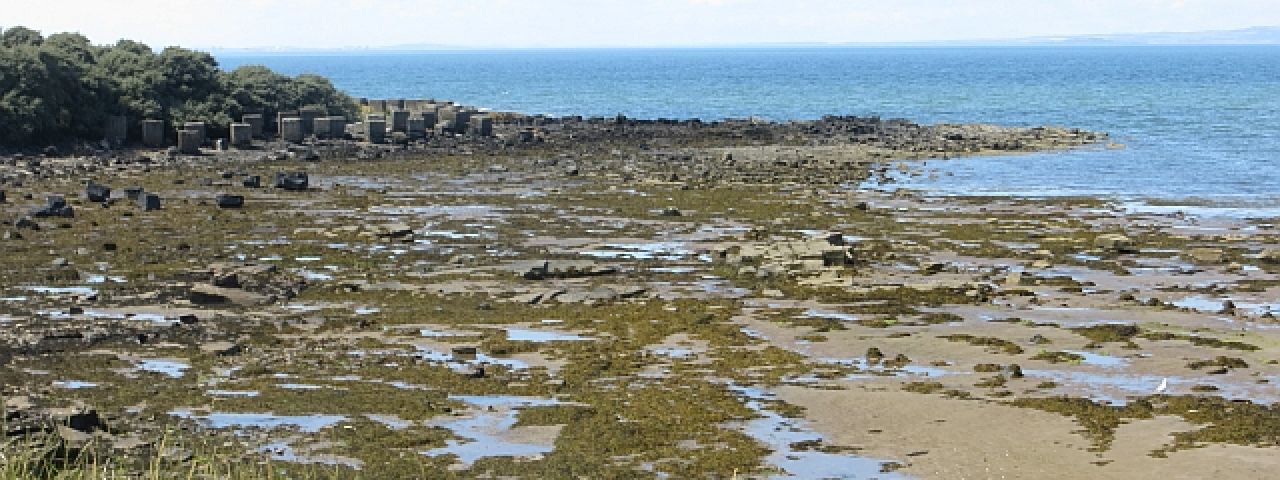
[(63, 88)]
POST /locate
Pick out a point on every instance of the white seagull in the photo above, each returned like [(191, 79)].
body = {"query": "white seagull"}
[(1164, 384)]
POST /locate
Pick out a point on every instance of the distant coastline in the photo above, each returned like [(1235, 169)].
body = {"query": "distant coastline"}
[(1253, 36)]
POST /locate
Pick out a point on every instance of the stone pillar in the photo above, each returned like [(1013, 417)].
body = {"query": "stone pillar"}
[(399, 120), (153, 133), (417, 127), (189, 142), (199, 128), (447, 114), (482, 125), (117, 129), (397, 104), (321, 127), (461, 120), (291, 130), (430, 119), (377, 106), (337, 126), (255, 122), (375, 130), (309, 116), (241, 135)]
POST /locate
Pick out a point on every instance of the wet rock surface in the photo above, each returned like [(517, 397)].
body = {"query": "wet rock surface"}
[(625, 298)]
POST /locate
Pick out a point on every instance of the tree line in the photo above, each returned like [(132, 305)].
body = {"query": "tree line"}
[(62, 87)]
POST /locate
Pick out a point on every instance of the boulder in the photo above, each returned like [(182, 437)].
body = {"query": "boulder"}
[(204, 294), (230, 201), (1206, 255), (222, 349), (1270, 255), (292, 181), (97, 193), (252, 182), (1114, 242), (55, 206)]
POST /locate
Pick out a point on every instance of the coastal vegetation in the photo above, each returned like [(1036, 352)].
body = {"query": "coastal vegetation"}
[(62, 87)]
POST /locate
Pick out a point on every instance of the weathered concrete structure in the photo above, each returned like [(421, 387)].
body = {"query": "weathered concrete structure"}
[(189, 141), (322, 127), (291, 130), (375, 130), (148, 202), (153, 133), (399, 120), (378, 106), (116, 129), (417, 127), (241, 135), (202, 131), (337, 126), (309, 116), (255, 122), (430, 118), (482, 125)]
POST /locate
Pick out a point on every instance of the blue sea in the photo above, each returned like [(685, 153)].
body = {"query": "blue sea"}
[(1199, 125)]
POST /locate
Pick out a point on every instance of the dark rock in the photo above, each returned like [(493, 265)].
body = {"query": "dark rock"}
[(230, 201), (292, 181), (27, 223), (671, 212), (55, 206), (97, 193), (133, 193), (252, 182), (148, 202)]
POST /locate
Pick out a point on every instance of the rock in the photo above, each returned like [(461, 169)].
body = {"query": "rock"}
[(222, 349), (11, 235), (1206, 255), (671, 212), (292, 181), (393, 230), (148, 202), (97, 193), (59, 262), (27, 223), (252, 182), (133, 193), (230, 201), (1114, 242), (203, 294), (1014, 279), (1271, 256), (55, 206), (2, 197), (79, 418)]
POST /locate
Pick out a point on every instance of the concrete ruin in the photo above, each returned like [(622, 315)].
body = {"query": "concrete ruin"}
[(241, 135), (153, 133), (255, 122), (189, 141), (291, 129)]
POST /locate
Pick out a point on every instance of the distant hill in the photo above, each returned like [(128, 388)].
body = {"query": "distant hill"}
[(1245, 36)]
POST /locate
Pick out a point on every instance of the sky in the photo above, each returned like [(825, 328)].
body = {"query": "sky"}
[(614, 23)]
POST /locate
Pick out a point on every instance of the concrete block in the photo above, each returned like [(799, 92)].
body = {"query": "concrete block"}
[(117, 129), (337, 126), (255, 122), (201, 130), (189, 141), (291, 130), (399, 120), (148, 202), (375, 131), (241, 135), (482, 125), (153, 133)]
